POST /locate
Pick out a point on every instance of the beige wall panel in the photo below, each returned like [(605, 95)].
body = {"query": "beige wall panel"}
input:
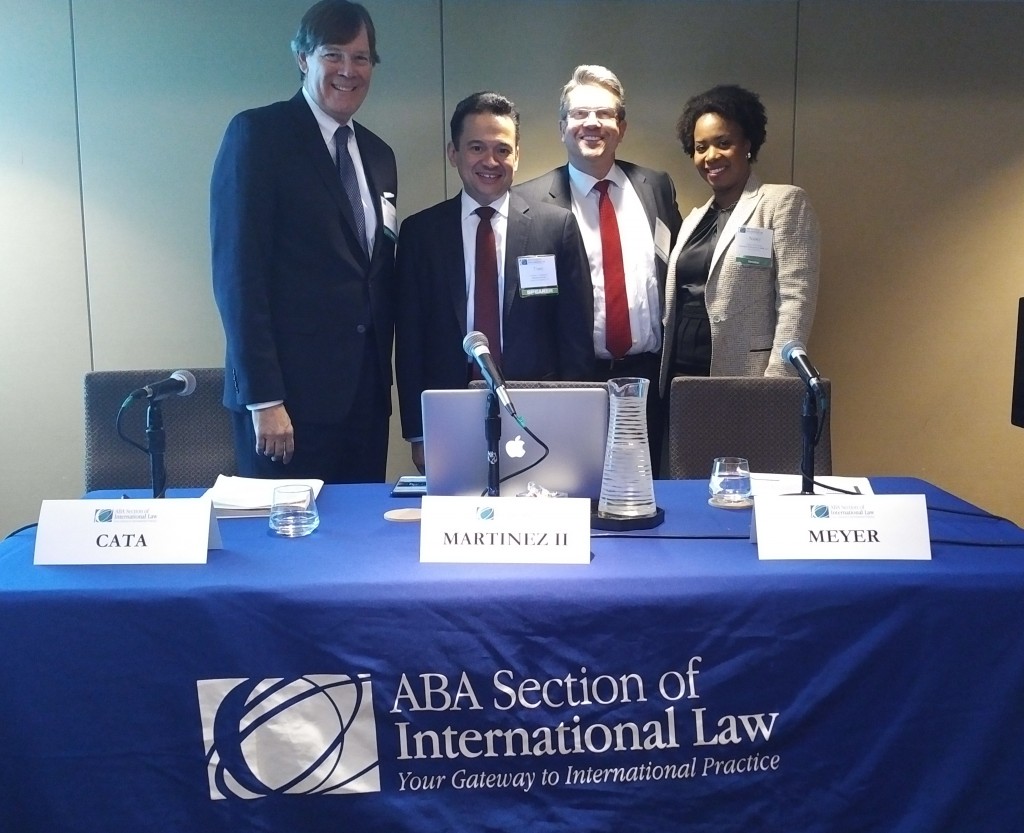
[(44, 319), (662, 51), (910, 139)]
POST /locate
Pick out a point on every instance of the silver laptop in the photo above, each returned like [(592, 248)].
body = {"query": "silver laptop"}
[(572, 422)]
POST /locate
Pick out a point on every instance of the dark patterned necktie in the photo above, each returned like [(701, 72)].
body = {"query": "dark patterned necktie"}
[(349, 182)]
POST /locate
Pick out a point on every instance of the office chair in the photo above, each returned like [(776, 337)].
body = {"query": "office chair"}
[(197, 427), (757, 417)]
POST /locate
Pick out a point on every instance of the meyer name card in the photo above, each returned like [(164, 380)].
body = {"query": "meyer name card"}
[(505, 530), (148, 531), (874, 527)]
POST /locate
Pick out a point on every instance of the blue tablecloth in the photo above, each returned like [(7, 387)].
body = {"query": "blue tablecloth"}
[(675, 683)]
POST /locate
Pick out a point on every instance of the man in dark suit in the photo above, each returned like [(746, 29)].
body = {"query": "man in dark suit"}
[(627, 315), (303, 230), (534, 299)]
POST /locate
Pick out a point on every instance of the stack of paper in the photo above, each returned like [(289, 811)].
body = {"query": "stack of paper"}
[(249, 497), (790, 484)]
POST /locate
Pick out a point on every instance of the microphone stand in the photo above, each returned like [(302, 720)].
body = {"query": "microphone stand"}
[(809, 429), (157, 446), (492, 431)]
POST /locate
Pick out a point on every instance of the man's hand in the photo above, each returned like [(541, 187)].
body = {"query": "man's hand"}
[(275, 437)]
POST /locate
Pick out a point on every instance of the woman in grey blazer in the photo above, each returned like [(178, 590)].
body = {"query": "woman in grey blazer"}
[(743, 276)]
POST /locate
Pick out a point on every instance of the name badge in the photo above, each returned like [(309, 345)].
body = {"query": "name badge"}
[(537, 275), (754, 246), (163, 531), (389, 214), (662, 240), (505, 530), (870, 527)]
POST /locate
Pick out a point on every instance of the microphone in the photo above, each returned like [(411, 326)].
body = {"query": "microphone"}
[(795, 353), (179, 383), (477, 348)]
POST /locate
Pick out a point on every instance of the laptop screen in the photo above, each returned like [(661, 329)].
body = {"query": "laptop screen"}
[(572, 422)]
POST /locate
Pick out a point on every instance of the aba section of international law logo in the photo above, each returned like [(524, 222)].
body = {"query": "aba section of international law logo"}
[(314, 735)]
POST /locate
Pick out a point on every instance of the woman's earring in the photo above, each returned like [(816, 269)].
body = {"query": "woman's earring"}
[(748, 154)]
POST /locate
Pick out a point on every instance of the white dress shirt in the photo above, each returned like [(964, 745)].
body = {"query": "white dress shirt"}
[(638, 257), (328, 127), (470, 221)]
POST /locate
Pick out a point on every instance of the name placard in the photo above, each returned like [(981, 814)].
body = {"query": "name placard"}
[(164, 531), (505, 530), (874, 527)]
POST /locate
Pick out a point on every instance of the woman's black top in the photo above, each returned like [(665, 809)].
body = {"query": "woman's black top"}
[(691, 341)]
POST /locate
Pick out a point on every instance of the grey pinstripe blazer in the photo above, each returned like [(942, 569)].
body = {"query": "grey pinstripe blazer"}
[(754, 310)]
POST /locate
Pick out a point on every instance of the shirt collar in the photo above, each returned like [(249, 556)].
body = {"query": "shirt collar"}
[(328, 124), (469, 205), (582, 184)]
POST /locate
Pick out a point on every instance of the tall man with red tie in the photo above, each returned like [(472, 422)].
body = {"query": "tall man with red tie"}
[(629, 220), (488, 260), (303, 229)]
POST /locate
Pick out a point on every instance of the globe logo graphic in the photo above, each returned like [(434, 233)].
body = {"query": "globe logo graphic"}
[(104, 516), (309, 736), (486, 513), (819, 510)]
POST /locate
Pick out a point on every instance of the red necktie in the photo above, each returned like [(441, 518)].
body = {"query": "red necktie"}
[(618, 337), (486, 309)]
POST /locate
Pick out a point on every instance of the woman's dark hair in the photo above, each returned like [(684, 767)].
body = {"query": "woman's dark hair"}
[(732, 103)]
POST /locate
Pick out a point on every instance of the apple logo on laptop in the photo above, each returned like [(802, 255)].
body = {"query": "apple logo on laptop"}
[(516, 447)]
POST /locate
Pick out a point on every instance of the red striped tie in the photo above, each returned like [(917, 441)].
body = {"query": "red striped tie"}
[(618, 337), (486, 309)]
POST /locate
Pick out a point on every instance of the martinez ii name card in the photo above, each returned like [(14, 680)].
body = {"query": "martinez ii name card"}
[(505, 530)]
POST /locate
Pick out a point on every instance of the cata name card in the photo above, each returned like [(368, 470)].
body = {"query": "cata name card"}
[(145, 531)]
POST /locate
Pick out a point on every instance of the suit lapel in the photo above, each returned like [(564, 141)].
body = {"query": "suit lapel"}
[(453, 257), (517, 233), (643, 191), (561, 191), (372, 178), (691, 221), (311, 141), (740, 214)]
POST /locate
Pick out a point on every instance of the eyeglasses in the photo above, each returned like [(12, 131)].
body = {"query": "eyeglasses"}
[(604, 114)]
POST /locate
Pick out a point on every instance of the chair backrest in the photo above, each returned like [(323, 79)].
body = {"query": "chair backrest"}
[(197, 428), (757, 417)]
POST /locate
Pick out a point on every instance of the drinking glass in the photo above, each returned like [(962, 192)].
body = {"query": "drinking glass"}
[(293, 511), (730, 483)]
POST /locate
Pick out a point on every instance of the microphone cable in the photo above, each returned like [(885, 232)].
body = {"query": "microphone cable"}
[(118, 425), (822, 411)]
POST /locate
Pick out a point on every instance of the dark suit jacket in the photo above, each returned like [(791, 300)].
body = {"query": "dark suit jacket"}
[(297, 295), (543, 336), (655, 189)]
